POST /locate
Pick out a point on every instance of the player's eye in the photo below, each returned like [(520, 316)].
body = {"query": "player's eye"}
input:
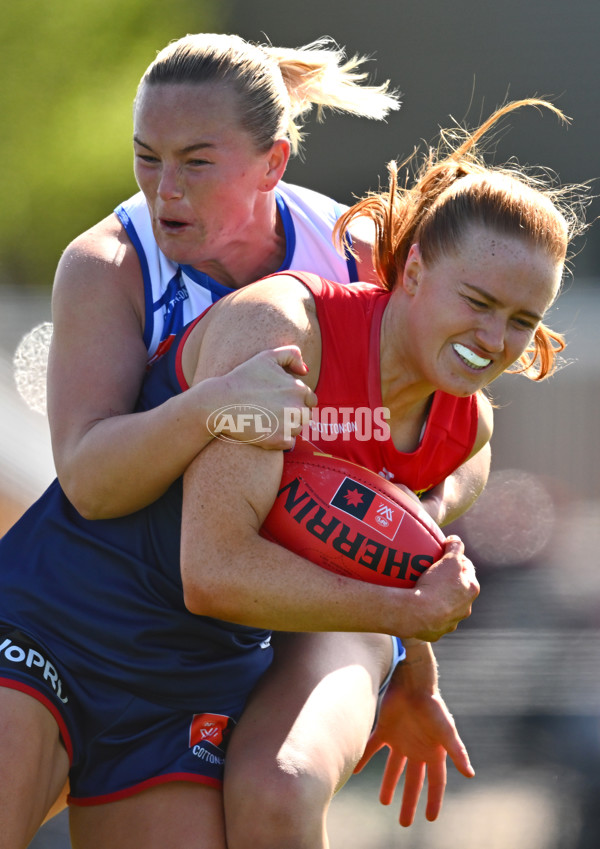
[(525, 324), (476, 303)]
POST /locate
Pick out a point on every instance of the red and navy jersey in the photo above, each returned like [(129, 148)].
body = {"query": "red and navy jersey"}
[(349, 421)]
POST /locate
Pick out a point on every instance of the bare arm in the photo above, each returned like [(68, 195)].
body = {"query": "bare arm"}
[(449, 500), (459, 491), (110, 461), (230, 572)]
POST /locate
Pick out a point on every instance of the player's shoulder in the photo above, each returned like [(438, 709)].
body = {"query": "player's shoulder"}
[(100, 267), (281, 288), (102, 253), (310, 200), (485, 420), (274, 305)]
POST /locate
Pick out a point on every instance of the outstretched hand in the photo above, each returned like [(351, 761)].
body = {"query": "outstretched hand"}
[(419, 732)]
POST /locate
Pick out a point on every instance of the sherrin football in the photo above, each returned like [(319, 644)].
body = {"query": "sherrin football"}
[(350, 520)]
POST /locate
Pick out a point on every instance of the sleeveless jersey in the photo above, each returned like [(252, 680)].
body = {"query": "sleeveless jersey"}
[(176, 294), (349, 421)]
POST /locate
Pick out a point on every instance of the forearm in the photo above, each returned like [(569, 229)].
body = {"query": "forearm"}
[(124, 462), (417, 674), (230, 572), (120, 463), (267, 586)]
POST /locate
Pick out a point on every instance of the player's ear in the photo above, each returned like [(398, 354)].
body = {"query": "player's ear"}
[(277, 160), (412, 269)]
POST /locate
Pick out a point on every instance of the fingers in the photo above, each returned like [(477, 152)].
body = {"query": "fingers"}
[(446, 592), (268, 402), (391, 776), (436, 787), (454, 546), (370, 749), (460, 757), (413, 785), (310, 399), (290, 357)]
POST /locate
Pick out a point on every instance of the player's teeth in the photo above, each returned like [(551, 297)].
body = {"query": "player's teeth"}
[(470, 357)]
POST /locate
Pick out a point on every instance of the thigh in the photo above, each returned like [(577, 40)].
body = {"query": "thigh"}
[(33, 766), (303, 730), (182, 815), (60, 803)]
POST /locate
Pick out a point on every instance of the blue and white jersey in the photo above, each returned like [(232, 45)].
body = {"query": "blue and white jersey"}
[(176, 294)]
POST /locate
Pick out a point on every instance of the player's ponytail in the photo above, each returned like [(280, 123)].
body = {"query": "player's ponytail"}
[(541, 358), (319, 74), (276, 86)]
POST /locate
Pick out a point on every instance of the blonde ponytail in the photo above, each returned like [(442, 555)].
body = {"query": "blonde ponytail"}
[(319, 74), (276, 86)]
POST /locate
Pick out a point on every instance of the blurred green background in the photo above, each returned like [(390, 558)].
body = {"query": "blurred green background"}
[(522, 675), (69, 70)]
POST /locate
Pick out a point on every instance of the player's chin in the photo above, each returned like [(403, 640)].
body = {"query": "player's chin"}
[(179, 243), (470, 382)]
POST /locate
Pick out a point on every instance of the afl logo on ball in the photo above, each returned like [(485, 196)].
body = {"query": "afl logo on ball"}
[(242, 423)]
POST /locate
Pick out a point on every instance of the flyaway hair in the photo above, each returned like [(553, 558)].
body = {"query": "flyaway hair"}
[(453, 189)]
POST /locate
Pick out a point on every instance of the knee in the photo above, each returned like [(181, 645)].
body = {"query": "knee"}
[(285, 808)]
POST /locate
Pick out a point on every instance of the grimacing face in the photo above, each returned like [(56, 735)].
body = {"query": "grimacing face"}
[(473, 312)]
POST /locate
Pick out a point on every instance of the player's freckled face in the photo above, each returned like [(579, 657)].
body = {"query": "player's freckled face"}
[(198, 168), (471, 313)]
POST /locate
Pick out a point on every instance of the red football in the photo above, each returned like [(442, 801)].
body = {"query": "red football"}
[(350, 520)]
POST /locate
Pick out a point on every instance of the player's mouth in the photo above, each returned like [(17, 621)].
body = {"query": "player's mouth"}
[(173, 225), (470, 358)]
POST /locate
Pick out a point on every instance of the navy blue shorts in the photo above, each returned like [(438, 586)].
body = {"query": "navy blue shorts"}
[(118, 743)]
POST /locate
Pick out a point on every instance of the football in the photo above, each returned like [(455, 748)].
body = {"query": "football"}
[(350, 520)]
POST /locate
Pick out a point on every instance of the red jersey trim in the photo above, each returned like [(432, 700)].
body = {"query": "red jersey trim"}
[(374, 374), (179, 355)]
